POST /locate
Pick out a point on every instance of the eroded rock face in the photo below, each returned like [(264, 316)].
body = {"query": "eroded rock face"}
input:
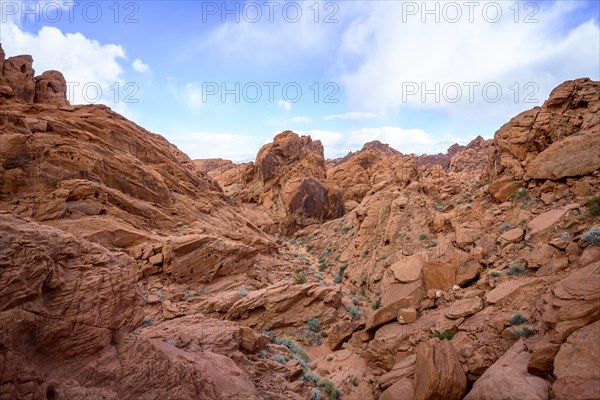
[(288, 181), (19, 83), (508, 378), (531, 142), (438, 374)]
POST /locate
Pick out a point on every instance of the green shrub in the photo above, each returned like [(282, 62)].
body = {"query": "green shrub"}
[(518, 319), (516, 269), (354, 312), (376, 305), (521, 193), (340, 275), (309, 248), (593, 206), (292, 241), (422, 236), (299, 276), (324, 334), (524, 331), (495, 274), (293, 346), (323, 266), (314, 324), (354, 382), (315, 394), (446, 335), (279, 358), (329, 389), (345, 229)]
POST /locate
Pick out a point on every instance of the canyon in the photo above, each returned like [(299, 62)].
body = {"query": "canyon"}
[(130, 271)]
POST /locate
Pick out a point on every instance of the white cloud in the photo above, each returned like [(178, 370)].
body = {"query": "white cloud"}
[(286, 105), (85, 63), (139, 66), (302, 120), (407, 141), (201, 145), (193, 95), (353, 115), (394, 57)]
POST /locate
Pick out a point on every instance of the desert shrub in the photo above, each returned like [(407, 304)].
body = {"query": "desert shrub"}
[(354, 382), (354, 312), (299, 276), (422, 236), (329, 389), (293, 346), (524, 331), (309, 247), (516, 269), (315, 394), (323, 265), (593, 206), (292, 241), (504, 227), (518, 318), (310, 376), (313, 338), (521, 193), (591, 237), (376, 305), (313, 324), (340, 275), (279, 358), (345, 229), (324, 334), (495, 274), (446, 335)]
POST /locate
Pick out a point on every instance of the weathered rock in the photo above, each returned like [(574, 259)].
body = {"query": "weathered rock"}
[(51, 88), (401, 390), (511, 236), (341, 332), (408, 269), (503, 188), (577, 365), (508, 378), (506, 289), (403, 369), (464, 308), (438, 373), (406, 315), (544, 221)]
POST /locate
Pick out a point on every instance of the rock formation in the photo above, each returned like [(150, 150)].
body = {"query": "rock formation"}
[(129, 271)]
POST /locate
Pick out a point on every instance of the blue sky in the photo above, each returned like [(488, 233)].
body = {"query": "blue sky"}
[(420, 76)]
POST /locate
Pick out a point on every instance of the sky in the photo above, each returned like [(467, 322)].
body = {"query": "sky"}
[(220, 79)]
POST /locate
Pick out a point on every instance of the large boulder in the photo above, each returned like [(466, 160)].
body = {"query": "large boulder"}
[(508, 378), (438, 373)]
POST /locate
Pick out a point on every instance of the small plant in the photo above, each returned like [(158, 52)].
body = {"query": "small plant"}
[(292, 241), (309, 248), (354, 312), (495, 274), (591, 237), (345, 229), (340, 275), (354, 382), (377, 304), (422, 236), (518, 319), (315, 394), (314, 324), (593, 206), (446, 335), (516, 269), (329, 389), (323, 265), (299, 277), (279, 358), (521, 193), (504, 227), (524, 331), (293, 346), (309, 376), (324, 334)]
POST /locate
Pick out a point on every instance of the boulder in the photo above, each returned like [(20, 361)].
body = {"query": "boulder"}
[(508, 378), (464, 308), (438, 373)]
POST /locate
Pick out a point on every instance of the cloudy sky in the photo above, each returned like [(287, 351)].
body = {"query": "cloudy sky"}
[(220, 79)]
